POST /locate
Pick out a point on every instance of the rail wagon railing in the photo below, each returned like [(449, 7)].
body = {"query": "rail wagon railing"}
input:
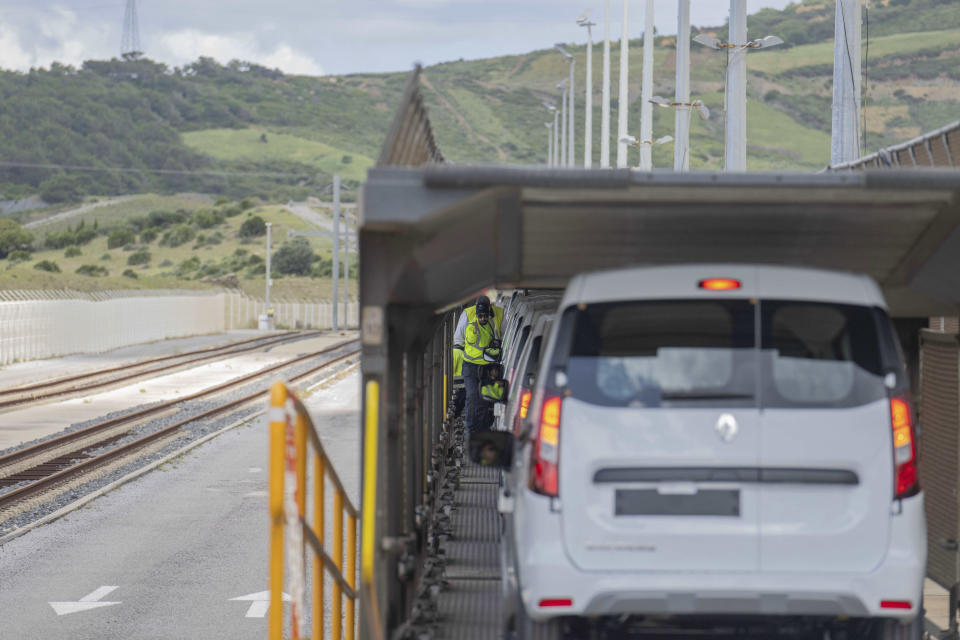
[(294, 440)]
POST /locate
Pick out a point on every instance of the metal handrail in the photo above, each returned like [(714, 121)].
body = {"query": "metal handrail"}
[(294, 439)]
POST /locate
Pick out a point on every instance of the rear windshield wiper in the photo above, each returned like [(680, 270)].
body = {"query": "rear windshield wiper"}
[(692, 395)]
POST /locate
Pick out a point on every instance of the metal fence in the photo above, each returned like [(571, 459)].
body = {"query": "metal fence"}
[(242, 312), (938, 148)]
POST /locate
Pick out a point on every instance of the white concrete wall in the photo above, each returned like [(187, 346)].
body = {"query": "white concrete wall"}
[(60, 323)]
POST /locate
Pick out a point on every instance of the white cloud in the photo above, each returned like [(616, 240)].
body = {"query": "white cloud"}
[(186, 45)]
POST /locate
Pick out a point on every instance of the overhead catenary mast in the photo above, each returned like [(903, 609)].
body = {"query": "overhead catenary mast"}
[(130, 48), (646, 91), (605, 92)]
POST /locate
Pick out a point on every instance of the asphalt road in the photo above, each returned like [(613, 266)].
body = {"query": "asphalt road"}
[(178, 544)]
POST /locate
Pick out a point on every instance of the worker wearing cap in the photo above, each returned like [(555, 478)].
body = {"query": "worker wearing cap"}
[(481, 346), (459, 335)]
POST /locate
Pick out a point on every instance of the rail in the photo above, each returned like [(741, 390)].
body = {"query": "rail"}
[(294, 440)]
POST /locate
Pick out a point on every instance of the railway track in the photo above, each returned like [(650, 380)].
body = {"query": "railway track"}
[(108, 377), (61, 460)]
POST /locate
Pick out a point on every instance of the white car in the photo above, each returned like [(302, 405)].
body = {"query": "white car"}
[(718, 446)]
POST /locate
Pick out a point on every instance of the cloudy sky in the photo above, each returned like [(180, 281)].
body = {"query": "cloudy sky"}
[(317, 36)]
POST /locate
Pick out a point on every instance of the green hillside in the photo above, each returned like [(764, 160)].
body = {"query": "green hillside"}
[(243, 130)]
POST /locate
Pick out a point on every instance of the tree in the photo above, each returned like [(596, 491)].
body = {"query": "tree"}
[(120, 237), (13, 237), (252, 227), (293, 258)]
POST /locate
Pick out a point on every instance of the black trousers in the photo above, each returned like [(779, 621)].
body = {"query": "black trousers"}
[(471, 379)]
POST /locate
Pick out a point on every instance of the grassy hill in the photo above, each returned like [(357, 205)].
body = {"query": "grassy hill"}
[(225, 133), (183, 241)]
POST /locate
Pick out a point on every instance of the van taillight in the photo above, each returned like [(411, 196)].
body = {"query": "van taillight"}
[(523, 411), (525, 404), (544, 469), (906, 483)]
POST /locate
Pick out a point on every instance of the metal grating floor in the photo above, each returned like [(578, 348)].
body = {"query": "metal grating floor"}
[(470, 608)]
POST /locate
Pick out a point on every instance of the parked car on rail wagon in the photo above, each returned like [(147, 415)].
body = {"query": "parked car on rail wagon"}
[(717, 444)]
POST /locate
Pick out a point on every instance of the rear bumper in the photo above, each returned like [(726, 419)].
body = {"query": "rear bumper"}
[(547, 573)]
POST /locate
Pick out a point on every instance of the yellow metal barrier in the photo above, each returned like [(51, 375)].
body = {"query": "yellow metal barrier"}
[(294, 440)]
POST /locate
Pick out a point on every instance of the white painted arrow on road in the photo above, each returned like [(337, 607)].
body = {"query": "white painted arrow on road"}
[(87, 602), (259, 603)]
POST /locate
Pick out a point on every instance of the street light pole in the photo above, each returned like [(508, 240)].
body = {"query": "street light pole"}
[(735, 143), (563, 123), (845, 134), (267, 292), (588, 95), (549, 126), (571, 145), (556, 137), (681, 122), (624, 101), (605, 92), (336, 250), (646, 90)]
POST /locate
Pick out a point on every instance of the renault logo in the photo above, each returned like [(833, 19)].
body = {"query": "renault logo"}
[(727, 427)]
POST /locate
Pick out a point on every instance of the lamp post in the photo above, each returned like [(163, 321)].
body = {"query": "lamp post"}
[(624, 100), (605, 92), (555, 155), (735, 94), (564, 88), (571, 96), (685, 109), (583, 21), (266, 294), (549, 126), (644, 146), (681, 149), (646, 89), (845, 129)]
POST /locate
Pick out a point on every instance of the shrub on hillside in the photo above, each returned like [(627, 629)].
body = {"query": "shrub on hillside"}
[(119, 237), (13, 237), (178, 235), (148, 235), (293, 258), (106, 256), (20, 255), (63, 239), (92, 270), (247, 203), (130, 273), (232, 211), (72, 251), (47, 265), (253, 227), (208, 219), (140, 257)]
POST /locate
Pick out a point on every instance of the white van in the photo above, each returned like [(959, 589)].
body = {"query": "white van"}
[(718, 445)]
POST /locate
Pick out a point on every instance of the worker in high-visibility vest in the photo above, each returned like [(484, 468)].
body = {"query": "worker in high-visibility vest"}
[(459, 389), (493, 389), (459, 335), (481, 346)]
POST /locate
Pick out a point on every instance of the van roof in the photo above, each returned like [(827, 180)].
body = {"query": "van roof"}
[(756, 281)]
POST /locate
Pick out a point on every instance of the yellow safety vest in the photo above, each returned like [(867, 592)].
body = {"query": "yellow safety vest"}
[(457, 364), (493, 392), (478, 340), (497, 316)]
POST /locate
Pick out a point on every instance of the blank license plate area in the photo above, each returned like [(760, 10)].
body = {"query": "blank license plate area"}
[(650, 502)]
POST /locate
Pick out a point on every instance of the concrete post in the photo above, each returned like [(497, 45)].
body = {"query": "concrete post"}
[(588, 107), (269, 251), (570, 113), (646, 91), (624, 102), (845, 138), (336, 250), (681, 121), (605, 92), (735, 142)]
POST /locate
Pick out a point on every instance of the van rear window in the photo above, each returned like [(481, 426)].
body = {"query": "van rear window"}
[(645, 354), (735, 353)]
